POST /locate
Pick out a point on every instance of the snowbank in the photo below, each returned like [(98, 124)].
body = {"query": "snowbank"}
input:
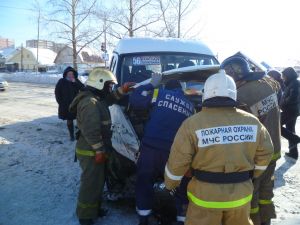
[(33, 77), (40, 78)]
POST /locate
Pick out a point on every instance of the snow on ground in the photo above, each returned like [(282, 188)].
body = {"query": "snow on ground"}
[(287, 189), (39, 180), (37, 78)]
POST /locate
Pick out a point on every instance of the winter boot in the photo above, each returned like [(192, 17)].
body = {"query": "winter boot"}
[(86, 221), (266, 223), (102, 212), (166, 221), (178, 223), (291, 155), (144, 220)]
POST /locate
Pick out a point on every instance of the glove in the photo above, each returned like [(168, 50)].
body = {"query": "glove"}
[(100, 157), (127, 87), (189, 173), (156, 79), (158, 187)]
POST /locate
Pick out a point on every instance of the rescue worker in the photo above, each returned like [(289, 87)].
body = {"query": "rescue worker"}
[(180, 194), (94, 140), (168, 109), (290, 110), (259, 95), (276, 75), (222, 145)]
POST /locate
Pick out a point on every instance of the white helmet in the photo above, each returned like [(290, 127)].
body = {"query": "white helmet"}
[(98, 77), (219, 85)]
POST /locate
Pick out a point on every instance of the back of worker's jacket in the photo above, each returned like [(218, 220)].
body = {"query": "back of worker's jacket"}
[(260, 97), (168, 109), (219, 140)]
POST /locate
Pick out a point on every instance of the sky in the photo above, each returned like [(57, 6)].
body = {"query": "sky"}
[(16, 22), (266, 30)]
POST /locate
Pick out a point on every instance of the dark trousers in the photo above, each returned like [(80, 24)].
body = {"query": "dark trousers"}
[(150, 166), (91, 187), (262, 206), (70, 125), (288, 132)]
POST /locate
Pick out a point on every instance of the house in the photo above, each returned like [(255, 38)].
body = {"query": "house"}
[(29, 59), (2, 63), (86, 59), (56, 47)]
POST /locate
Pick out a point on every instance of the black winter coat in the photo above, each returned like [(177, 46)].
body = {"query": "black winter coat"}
[(291, 96), (65, 92)]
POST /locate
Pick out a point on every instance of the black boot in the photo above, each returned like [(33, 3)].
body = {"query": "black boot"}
[(292, 155), (143, 220), (266, 223), (71, 129), (86, 221), (178, 223), (102, 212)]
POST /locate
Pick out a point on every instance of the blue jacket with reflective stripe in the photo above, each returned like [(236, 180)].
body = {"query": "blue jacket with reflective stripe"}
[(169, 108)]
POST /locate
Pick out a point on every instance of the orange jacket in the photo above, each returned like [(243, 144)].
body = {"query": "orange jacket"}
[(219, 140)]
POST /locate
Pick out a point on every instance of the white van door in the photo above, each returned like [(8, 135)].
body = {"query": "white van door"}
[(124, 138)]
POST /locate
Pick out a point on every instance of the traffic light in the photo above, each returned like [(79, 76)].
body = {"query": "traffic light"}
[(103, 47)]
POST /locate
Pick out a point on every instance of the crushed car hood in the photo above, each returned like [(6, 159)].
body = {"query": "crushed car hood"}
[(185, 74)]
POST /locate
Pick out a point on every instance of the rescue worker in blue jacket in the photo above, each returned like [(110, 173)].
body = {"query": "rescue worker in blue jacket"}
[(169, 108)]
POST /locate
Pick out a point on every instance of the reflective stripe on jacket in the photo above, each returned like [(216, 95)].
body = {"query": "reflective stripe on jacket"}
[(82, 152), (93, 119), (217, 140)]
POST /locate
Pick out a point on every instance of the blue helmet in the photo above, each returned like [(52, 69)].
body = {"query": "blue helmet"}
[(239, 69)]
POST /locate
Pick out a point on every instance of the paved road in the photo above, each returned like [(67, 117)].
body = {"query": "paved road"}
[(24, 101)]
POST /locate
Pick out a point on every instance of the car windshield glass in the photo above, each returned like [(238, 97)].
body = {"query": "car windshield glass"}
[(137, 68)]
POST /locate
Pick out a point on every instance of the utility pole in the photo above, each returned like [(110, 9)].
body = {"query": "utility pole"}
[(22, 57), (38, 41), (73, 31), (179, 19), (105, 39), (103, 44)]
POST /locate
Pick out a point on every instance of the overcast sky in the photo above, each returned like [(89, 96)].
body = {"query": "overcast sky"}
[(264, 29)]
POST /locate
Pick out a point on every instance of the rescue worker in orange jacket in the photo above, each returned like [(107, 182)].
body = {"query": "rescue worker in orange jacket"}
[(259, 96), (225, 147)]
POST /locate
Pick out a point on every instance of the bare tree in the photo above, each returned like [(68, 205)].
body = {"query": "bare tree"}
[(36, 7), (75, 24), (173, 14), (127, 17)]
